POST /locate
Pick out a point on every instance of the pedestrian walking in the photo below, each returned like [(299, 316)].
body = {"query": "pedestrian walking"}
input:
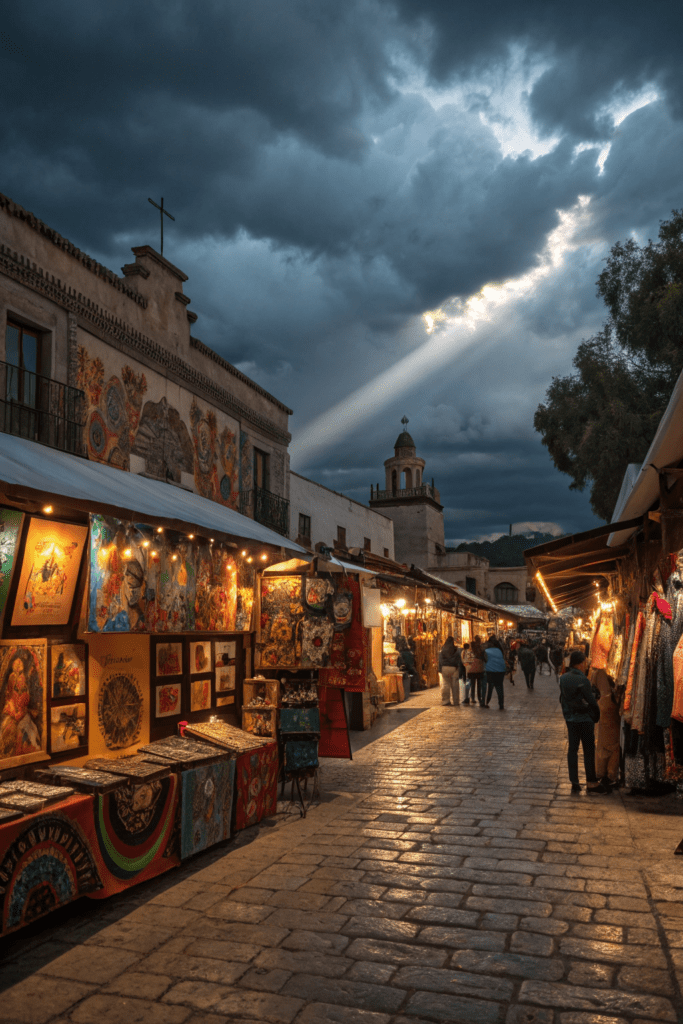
[(448, 673), (581, 711), (557, 660), (527, 660), (541, 653), (475, 672), (495, 672), (466, 685)]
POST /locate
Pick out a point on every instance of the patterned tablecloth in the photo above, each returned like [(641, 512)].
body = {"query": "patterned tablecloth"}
[(255, 785), (46, 860)]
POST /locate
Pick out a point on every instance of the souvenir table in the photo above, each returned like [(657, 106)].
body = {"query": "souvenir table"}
[(46, 861)]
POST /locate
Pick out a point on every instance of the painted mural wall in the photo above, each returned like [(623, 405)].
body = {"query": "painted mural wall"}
[(134, 411)]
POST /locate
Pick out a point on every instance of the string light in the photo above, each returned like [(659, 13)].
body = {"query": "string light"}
[(264, 558), (190, 536), (145, 543), (127, 553), (244, 554), (250, 559), (546, 591), (160, 529), (174, 558)]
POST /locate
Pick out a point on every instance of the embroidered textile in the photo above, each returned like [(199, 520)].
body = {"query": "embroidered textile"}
[(347, 655), (281, 615), (603, 641), (316, 640), (301, 754), (255, 786), (206, 806), (635, 649)]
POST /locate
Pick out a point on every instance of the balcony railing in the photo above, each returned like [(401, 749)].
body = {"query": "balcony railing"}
[(266, 508), (423, 491), (41, 409)]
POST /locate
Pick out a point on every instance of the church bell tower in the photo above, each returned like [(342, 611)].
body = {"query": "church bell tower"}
[(414, 506)]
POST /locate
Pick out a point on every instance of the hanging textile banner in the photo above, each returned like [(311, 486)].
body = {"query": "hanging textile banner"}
[(347, 655), (255, 785), (334, 730)]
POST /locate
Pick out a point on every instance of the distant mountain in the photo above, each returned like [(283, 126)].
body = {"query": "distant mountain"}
[(506, 550)]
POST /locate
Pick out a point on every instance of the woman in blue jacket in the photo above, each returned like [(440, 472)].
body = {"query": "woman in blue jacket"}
[(495, 672)]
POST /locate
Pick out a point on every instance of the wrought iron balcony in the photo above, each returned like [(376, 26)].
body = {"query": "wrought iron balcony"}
[(423, 491), (266, 508), (41, 409)]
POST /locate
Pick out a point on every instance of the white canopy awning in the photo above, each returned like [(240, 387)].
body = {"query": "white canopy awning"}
[(32, 470)]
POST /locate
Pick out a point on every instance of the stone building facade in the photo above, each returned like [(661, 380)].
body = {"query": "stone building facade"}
[(319, 515), (111, 362)]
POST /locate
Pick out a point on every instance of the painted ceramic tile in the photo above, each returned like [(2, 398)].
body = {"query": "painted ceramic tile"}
[(167, 700), (23, 693), (68, 670), (169, 659), (67, 727), (49, 573), (206, 806), (200, 656), (299, 720), (200, 694)]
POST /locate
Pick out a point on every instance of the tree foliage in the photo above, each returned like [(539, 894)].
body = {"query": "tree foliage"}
[(597, 420)]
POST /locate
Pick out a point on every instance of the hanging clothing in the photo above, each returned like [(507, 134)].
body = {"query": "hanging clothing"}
[(607, 729)]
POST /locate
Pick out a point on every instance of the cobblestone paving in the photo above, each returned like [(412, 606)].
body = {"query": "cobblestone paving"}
[(454, 878)]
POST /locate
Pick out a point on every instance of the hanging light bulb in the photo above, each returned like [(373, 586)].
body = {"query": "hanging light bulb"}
[(160, 529)]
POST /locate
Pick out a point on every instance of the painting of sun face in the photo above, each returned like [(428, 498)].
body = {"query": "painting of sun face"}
[(68, 670), (22, 702), (49, 573), (200, 694), (67, 727), (200, 656)]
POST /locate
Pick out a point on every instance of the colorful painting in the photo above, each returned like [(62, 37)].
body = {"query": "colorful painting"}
[(200, 694), (316, 638), (200, 656), (119, 693), (49, 573), (256, 785), (67, 727), (143, 580), (113, 409), (169, 659), (167, 700), (246, 583), (281, 615), (68, 664), (225, 652), (299, 720), (225, 679), (133, 834), (347, 653), (10, 531), (46, 862), (23, 692), (216, 473), (317, 591), (301, 755), (206, 806), (342, 609)]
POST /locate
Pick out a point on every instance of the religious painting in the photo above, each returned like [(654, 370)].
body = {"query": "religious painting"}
[(169, 659), (200, 694), (49, 573), (281, 615), (67, 727), (118, 571), (200, 656), (23, 702), (10, 531), (168, 700), (119, 696), (68, 665)]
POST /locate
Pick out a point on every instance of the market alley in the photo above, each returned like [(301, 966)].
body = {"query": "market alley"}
[(448, 875)]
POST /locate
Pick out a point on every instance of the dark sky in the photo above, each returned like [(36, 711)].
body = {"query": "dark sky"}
[(384, 208)]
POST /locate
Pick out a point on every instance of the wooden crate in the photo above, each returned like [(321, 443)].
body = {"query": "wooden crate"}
[(266, 689), (260, 721)]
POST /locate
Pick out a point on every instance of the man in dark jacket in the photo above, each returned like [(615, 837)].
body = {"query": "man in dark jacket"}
[(527, 660), (576, 696)]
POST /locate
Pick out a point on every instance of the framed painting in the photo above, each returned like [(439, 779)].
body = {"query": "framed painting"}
[(10, 531), (225, 678), (226, 652), (200, 657), (67, 727), (167, 700), (224, 700), (68, 665), (23, 702), (169, 659), (200, 694), (118, 693), (49, 573)]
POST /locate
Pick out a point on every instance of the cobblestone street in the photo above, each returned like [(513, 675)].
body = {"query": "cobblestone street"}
[(448, 875)]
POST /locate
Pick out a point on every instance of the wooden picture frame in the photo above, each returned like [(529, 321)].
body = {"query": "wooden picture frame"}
[(23, 702), (49, 576)]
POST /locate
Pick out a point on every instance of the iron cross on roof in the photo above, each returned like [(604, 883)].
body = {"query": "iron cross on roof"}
[(405, 421), (161, 215)]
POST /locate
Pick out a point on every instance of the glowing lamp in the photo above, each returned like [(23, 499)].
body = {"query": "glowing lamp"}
[(401, 602), (47, 509)]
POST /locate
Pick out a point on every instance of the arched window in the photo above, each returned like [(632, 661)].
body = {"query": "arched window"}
[(506, 593), (409, 478)]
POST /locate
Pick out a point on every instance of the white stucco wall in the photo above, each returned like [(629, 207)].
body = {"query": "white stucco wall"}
[(328, 510)]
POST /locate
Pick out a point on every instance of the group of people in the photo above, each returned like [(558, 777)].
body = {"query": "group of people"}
[(479, 668)]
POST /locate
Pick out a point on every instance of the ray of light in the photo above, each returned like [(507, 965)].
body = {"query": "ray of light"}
[(452, 329)]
